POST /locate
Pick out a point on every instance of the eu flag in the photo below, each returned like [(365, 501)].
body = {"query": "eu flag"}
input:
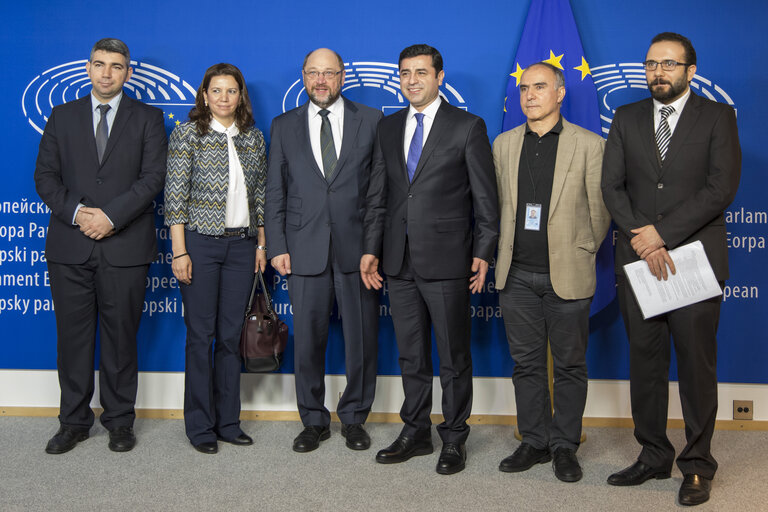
[(550, 35)]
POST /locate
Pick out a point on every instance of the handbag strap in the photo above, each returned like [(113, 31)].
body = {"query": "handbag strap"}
[(267, 296), (258, 280)]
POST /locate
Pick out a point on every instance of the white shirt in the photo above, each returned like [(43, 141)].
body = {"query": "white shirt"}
[(237, 194), (336, 118), (411, 123), (114, 104), (674, 117)]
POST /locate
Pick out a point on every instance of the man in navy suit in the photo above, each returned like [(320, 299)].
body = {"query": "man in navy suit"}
[(432, 218), (671, 167), (317, 179), (100, 165)]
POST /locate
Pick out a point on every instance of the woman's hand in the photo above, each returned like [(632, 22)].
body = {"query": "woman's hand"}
[(182, 268)]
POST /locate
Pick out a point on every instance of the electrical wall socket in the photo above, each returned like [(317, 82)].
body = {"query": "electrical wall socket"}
[(742, 410)]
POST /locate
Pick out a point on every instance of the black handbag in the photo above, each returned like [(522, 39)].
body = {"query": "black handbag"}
[(264, 335)]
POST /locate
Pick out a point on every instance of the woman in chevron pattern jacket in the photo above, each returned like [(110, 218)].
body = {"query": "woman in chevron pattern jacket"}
[(214, 205)]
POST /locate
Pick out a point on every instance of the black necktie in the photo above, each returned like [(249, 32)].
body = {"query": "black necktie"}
[(663, 133), (102, 131), (327, 148)]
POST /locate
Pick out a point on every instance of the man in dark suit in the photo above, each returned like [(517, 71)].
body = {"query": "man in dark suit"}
[(317, 177), (432, 218), (671, 166), (100, 165)]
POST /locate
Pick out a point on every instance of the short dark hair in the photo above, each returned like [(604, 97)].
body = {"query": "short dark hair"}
[(109, 44), (338, 57), (201, 114), (690, 53), (423, 49), (559, 77)]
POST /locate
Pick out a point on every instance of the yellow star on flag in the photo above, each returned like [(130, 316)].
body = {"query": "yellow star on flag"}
[(178, 123), (517, 74), (555, 60), (584, 68), (170, 116)]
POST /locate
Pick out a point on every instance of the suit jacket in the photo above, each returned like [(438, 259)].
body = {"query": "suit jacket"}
[(449, 211), (578, 219), (303, 211), (198, 178), (124, 185), (686, 196)]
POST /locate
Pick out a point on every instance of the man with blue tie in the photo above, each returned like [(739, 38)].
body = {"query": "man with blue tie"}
[(100, 165), (432, 219)]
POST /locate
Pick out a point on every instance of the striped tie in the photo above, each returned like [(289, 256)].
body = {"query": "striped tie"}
[(663, 133), (327, 148)]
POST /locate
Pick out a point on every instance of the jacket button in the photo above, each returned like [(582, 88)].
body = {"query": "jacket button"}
[(659, 217), (99, 181), (660, 186)]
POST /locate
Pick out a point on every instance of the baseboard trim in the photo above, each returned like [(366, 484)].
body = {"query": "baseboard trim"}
[(384, 417)]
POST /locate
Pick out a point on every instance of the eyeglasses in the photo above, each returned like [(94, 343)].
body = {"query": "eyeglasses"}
[(666, 65), (314, 75)]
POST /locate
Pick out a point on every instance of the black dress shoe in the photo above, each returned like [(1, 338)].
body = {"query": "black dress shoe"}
[(208, 448), (638, 473), (65, 439), (121, 439), (310, 438), (566, 465), (403, 449), (694, 490), (453, 458), (241, 440), (524, 458), (357, 437)]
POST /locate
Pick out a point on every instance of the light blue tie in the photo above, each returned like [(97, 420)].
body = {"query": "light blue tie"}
[(414, 150)]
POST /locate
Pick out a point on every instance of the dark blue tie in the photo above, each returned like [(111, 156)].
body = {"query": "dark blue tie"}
[(414, 150)]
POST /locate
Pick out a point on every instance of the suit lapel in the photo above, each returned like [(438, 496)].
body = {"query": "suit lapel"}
[(439, 127), (566, 146), (513, 154), (399, 141), (644, 122), (85, 126), (688, 118), (303, 138), (349, 136), (124, 112)]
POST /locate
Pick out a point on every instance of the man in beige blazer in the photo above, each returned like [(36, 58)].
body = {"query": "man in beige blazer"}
[(553, 221)]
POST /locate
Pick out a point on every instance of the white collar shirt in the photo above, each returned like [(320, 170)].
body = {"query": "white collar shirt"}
[(674, 117), (237, 194), (114, 104), (336, 118), (411, 123)]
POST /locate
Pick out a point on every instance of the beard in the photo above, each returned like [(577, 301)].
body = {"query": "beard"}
[(324, 103), (675, 89)]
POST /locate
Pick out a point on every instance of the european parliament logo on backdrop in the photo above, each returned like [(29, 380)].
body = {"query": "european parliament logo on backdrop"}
[(371, 83), (69, 81)]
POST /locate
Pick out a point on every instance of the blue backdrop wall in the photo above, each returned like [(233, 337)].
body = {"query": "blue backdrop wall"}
[(45, 45)]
